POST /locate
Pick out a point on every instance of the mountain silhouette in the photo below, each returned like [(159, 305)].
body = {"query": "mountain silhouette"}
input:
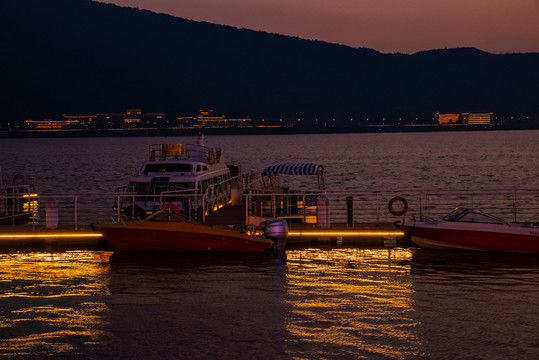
[(80, 56)]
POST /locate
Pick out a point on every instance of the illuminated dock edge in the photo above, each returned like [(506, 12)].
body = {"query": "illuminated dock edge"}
[(345, 233), (39, 235), (47, 235), (22, 238)]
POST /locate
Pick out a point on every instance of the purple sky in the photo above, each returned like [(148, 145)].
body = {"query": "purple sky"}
[(389, 26)]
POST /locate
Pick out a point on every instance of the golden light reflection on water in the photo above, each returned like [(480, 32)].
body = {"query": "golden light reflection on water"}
[(355, 299), (51, 301)]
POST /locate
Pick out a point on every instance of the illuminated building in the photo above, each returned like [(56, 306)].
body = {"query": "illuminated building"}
[(51, 124), (477, 118), (448, 118), (206, 119), (465, 118), (186, 121), (133, 116), (85, 120), (113, 120), (155, 119)]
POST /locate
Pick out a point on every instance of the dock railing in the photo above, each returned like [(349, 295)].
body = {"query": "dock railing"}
[(343, 208), (350, 208)]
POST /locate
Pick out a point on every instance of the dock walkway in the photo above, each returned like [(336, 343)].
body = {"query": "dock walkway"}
[(304, 233), (31, 235)]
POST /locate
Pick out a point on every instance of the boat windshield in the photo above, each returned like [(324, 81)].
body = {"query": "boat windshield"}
[(472, 215), (168, 216)]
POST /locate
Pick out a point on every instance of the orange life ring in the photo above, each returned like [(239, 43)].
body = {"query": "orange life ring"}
[(172, 208), (398, 206)]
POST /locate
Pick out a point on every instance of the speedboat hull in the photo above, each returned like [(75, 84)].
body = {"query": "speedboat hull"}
[(470, 236), (145, 235)]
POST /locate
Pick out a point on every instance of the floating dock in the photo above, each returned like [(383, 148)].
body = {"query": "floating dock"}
[(22, 237), (31, 235), (384, 235), (356, 218)]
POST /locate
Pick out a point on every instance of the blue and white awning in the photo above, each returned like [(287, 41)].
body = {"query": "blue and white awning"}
[(293, 169)]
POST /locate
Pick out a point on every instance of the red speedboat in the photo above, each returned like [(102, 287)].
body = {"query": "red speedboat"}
[(471, 229), (166, 231)]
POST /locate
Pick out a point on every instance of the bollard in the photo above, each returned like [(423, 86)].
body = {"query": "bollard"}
[(350, 210)]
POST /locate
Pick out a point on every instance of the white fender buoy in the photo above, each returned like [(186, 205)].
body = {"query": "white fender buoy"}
[(51, 214), (322, 211)]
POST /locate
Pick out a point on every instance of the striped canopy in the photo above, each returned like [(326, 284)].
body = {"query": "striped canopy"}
[(293, 169)]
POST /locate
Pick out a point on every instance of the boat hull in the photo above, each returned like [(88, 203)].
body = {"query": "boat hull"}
[(189, 238), (489, 238)]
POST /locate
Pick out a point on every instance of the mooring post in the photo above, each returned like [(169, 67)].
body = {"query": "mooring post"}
[(350, 210)]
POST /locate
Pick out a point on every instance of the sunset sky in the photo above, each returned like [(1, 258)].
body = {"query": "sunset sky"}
[(389, 26)]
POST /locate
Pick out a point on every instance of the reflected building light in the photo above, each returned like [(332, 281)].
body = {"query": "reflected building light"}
[(44, 283), (362, 293)]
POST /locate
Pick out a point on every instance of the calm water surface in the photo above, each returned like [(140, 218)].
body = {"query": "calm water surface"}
[(342, 303), (460, 160)]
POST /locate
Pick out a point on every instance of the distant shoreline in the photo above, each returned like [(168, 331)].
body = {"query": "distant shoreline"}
[(253, 131)]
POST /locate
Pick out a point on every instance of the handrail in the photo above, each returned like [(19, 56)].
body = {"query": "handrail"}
[(370, 206)]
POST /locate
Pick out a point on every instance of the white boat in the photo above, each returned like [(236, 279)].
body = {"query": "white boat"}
[(472, 229), (192, 177)]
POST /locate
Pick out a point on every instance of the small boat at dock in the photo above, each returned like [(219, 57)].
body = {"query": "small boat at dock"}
[(472, 229), (166, 230)]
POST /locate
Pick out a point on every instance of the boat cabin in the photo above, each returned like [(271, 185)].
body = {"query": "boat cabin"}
[(192, 176), (273, 199)]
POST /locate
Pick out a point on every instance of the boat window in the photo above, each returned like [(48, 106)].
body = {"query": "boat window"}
[(138, 188), (183, 186), (160, 168), (202, 168), (455, 215), (158, 188)]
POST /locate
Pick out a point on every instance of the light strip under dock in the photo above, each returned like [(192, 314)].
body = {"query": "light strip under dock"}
[(345, 233), (49, 235)]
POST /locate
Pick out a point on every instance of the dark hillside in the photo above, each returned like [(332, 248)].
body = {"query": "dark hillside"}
[(80, 56)]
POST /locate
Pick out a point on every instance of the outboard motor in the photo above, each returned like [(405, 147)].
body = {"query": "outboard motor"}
[(277, 231)]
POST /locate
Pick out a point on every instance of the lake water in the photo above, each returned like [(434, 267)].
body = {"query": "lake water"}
[(308, 303), (488, 159), (342, 303)]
